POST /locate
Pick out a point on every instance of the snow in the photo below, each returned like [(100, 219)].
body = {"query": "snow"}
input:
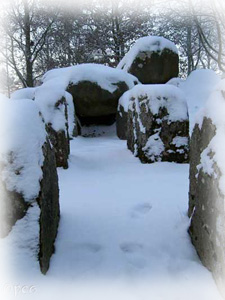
[(214, 109), (105, 77), (56, 81), (124, 101), (26, 93), (197, 88), (123, 227), (47, 96), (179, 141), (154, 147), (22, 135), (145, 44), (71, 113), (123, 231), (157, 96), (176, 81)]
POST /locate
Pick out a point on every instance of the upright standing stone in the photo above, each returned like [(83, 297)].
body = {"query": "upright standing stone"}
[(49, 206), (28, 173), (206, 192), (54, 108), (158, 125)]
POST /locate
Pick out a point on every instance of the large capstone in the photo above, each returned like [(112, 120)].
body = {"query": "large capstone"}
[(94, 104), (152, 60), (206, 191), (95, 89), (96, 93), (158, 125)]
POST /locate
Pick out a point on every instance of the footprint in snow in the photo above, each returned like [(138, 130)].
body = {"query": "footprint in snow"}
[(131, 247), (133, 254), (141, 209), (89, 247)]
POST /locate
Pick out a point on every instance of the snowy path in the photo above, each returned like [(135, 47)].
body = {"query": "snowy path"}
[(123, 220), (122, 234)]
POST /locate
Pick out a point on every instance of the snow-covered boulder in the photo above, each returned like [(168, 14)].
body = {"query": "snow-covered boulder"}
[(95, 89), (152, 59), (27, 172), (57, 108), (54, 108), (207, 184), (157, 125), (197, 88)]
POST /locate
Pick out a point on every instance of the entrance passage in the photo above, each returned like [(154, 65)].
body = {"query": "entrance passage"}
[(123, 221)]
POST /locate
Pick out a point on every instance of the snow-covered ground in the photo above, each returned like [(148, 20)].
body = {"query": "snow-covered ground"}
[(123, 231), (122, 234)]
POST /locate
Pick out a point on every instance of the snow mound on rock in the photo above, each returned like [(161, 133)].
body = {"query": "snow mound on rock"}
[(197, 88), (215, 110), (46, 97), (175, 81), (26, 93), (146, 44), (160, 95), (22, 135), (105, 77)]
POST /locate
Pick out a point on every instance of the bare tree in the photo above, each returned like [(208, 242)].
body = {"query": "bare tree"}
[(26, 27)]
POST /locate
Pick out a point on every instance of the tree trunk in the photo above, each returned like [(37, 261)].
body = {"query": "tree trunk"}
[(189, 49), (27, 31)]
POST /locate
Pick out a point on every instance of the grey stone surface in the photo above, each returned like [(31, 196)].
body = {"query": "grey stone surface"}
[(50, 210), (60, 139), (121, 123), (14, 207), (155, 67), (93, 104), (145, 128), (207, 206)]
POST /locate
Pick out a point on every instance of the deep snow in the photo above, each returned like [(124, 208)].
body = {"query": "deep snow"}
[(123, 231)]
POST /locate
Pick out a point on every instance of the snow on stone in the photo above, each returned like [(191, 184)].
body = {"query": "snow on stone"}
[(124, 100), (197, 88), (70, 113), (22, 135), (214, 153), (154, 147), (26, 93), (179, 141), (175, 81), (160, 95), (46, 96), (105, 77), (25, 238), (144, 44), (56, 81)]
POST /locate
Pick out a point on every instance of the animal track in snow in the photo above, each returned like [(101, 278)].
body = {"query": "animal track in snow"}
[(133, 254), (141, 209), (131, 247), (89, 247)]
